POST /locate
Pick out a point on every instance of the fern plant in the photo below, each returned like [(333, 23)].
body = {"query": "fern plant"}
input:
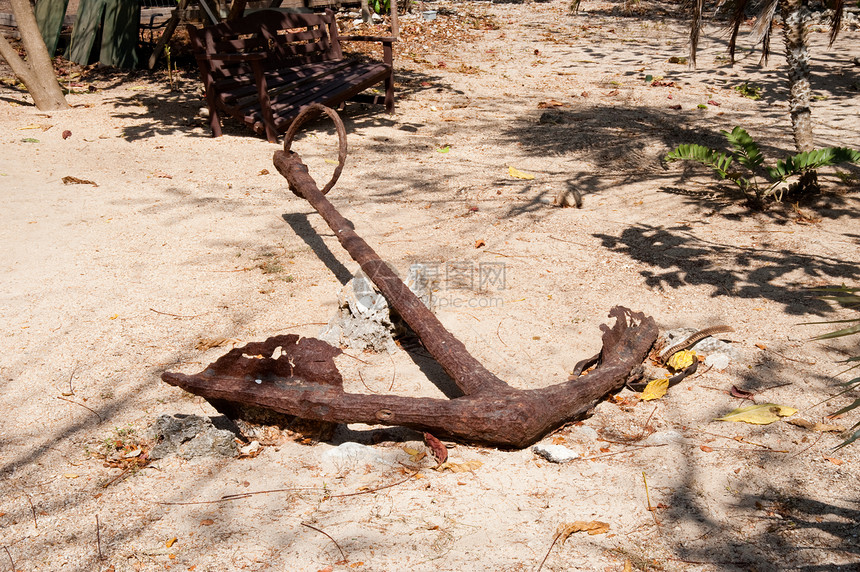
[(747, 154), (850, 298)]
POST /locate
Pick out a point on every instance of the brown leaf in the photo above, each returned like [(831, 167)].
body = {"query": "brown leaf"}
[(440, 452), (591, 527), (742, 393), (834, 460), (207, 522), (479, 243), (612, 93), (162, 174), (264, 172), (706, 449), (550, 103), (761, 346), (170, 542), (76, 181), (67, 134)]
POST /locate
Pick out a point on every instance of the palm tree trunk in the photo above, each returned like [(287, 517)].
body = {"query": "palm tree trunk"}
[(794, 15)]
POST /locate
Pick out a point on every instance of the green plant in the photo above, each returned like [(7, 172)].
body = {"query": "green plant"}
[(748, 90), (849, 298), (381, 7), (747, 154)]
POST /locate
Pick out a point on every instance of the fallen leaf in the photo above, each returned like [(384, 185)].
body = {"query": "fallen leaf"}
[(170, 542), (762, 414), (834, 460), (591, 527), (655, 389), (29, 140), (77, 181), (821, 427), (266, 171), (67, 134), (761, 346), (468, 466), (414, 454), (612, 93), (114, 317), (742, 393), (71, 476), (712, 102), (440, 452), (682, 360), (479, 243), (517, 174), (208, 343), (162, 174), (706, 449), (443, 149), (628, 566), (549, 104), (207, 522)]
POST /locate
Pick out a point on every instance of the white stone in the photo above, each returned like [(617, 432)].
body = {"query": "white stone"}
[(555, 453)]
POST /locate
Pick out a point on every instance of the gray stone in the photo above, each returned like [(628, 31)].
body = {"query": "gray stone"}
[(189, 436), (352, 455), (555, 453)]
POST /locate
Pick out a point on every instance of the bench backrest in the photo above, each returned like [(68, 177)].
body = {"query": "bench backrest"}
[(289, 39)]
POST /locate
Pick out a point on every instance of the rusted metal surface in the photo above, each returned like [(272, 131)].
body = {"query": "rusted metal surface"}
[(302, 381)]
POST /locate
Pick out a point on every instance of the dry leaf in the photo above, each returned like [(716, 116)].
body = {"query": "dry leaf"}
[(517, 174), (834, 460), (71, 476), (266, 171), (820, 427), (591, 527), (440, 452), (479, 243), (628, 566), (655, 389), (706, 449), (549, 104), (612, 93), (761, 346), (763, 414), (162, 175), (207, 522), (67, 134), (468, 466), (170, 542), (742, 393), (682, 360), (208, 343), (77, 181)]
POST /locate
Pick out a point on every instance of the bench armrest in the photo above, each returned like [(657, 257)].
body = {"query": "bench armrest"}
[(252, 57), (383, 39)]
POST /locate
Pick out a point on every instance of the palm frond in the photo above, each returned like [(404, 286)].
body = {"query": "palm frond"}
[(737, 18), (763, 29), (836, 20)]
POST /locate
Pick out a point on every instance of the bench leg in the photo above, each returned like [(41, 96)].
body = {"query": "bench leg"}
[(214, 122), (389, 93)]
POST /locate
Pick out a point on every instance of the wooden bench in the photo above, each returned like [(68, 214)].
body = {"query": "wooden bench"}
[(263, 68)]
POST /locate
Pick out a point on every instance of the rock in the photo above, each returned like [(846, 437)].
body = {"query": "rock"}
[(718, 361), (664, 438), (555, 453), (189, 436), (587, 433), (351, 455)]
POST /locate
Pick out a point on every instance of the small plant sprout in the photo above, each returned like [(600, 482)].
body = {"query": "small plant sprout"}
[(747, 154)]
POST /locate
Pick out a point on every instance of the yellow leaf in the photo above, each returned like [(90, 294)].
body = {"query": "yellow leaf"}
[(682, 360), (331, 161), (459, 467), (517, 174), (114, 317), (655, 389), (170, 542), (592, 527), (762, 414), (71, 476)]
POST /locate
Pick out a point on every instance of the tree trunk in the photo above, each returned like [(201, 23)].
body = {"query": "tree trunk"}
[(795, 15), (37, 72)]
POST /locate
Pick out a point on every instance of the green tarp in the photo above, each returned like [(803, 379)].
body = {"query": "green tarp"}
[(49, 15), (116, 23)]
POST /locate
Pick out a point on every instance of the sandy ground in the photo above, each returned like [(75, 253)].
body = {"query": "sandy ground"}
[(184, 238)]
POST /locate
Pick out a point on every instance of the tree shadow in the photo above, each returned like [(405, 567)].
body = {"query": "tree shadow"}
[(676, 257)]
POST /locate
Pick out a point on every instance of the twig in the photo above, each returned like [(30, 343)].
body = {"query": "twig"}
[(120, 476), (651, 509), (361, 377), (329, 537), (71, 377), (791, 359), (33, 510), (808, 448), (9, 554), (739, 439), (393, 373), (174, 315), (630, 450), (554, 540), (82, 405), (99, 538), (570, 241), (376, 489), (300, 325), (239, 496), (497, 332), (356, 358)]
